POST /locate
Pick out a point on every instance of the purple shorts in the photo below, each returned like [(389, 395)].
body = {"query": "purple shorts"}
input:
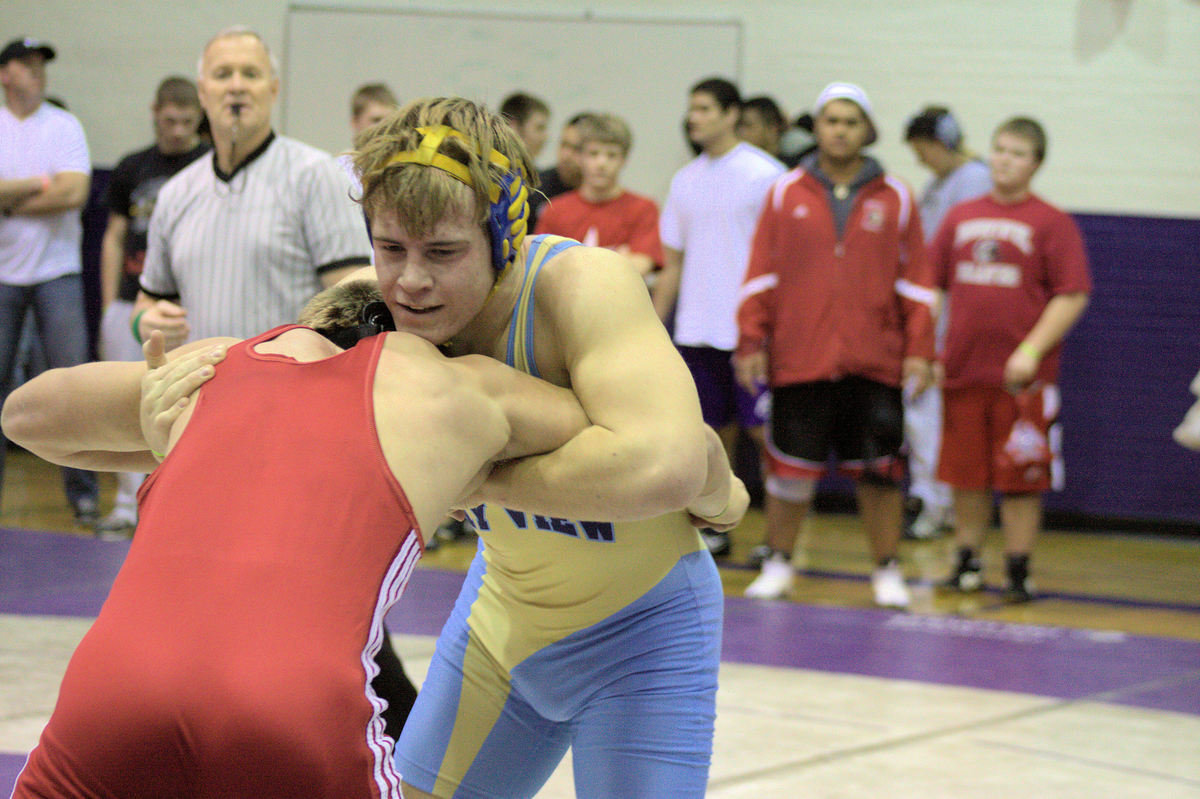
[(722, 399)]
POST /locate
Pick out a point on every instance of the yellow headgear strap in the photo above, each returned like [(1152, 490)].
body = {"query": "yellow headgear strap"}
[(427, 154)]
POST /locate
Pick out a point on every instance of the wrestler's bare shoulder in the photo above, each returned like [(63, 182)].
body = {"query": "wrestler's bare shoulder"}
[(419, 364), (411, 345), (588, 268)]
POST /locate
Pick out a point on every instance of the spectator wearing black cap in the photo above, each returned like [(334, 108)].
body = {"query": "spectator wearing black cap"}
[(45, 174)]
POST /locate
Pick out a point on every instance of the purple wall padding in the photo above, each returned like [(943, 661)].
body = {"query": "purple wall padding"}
[(1126, 371)]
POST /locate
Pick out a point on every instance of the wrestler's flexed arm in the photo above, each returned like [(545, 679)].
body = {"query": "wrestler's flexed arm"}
[(645, 452)]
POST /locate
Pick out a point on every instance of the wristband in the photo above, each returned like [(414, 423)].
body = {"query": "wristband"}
[(1029, 350), (45, 183), (137, 336)]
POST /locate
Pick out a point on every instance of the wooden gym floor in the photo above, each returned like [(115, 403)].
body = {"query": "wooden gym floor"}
[(1092, 690)]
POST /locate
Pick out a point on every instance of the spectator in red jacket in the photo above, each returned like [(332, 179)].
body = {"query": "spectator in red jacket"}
[(835, 317)]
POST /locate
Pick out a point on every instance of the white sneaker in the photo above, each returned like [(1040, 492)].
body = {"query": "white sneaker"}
[(775, 580), (889, 587), (1188, 432), (117, 526), (930, 523)]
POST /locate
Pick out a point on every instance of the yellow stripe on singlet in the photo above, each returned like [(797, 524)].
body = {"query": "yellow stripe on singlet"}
[(519, 356)]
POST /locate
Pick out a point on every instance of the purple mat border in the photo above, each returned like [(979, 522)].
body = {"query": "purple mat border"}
[(54, 574), (10, 767)]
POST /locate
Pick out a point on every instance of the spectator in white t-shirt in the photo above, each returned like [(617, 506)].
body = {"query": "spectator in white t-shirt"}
[(45, 175), (706, 227)]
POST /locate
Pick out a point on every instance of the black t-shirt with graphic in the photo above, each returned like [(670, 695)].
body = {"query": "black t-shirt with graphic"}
[(131, 193)]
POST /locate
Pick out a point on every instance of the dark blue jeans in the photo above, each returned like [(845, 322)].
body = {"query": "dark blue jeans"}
[(62, 327)]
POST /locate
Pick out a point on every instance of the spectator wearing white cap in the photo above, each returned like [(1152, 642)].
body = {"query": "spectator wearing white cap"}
[(45, 175), (835, 317)]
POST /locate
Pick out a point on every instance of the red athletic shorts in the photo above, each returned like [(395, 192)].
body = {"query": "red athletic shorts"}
[(994, 439)]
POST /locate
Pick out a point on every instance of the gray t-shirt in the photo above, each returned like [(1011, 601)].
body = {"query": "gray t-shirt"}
[(971, 180)]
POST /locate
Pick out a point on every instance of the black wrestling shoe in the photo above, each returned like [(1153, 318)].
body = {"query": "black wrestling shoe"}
[(967, 575), (1018, 593)]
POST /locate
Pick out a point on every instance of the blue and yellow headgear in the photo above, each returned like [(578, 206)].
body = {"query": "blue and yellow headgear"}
[(508, 213)]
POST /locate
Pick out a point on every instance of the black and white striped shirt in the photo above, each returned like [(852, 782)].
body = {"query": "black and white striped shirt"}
[(245, 252)]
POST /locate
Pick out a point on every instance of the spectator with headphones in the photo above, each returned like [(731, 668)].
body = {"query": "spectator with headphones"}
[(958, 175)]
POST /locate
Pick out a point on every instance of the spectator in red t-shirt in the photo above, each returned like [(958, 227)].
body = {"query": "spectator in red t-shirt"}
[(1016, 275), (601, 212)]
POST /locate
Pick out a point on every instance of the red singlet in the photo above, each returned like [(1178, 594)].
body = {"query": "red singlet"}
[(233, 656)]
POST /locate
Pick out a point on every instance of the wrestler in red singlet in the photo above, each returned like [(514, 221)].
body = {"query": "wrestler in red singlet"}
[(233, 655)]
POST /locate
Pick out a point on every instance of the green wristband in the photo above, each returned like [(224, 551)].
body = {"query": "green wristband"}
[(1029, 350), (138, 318)]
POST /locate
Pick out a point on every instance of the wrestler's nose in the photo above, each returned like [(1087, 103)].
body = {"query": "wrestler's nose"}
[(414, 278)]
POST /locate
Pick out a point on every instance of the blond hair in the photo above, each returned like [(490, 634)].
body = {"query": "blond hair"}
[(606, 129), (423, 196)]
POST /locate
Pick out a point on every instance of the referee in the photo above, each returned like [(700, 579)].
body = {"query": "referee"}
[(239, 242)]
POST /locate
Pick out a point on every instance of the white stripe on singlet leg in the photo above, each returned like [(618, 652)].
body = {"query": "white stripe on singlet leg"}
[(386, 776)]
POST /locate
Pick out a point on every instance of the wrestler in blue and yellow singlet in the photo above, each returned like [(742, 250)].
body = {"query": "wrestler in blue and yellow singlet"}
[(604, 637)]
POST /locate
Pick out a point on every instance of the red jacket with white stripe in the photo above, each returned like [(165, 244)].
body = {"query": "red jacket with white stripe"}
[(825, 308)]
